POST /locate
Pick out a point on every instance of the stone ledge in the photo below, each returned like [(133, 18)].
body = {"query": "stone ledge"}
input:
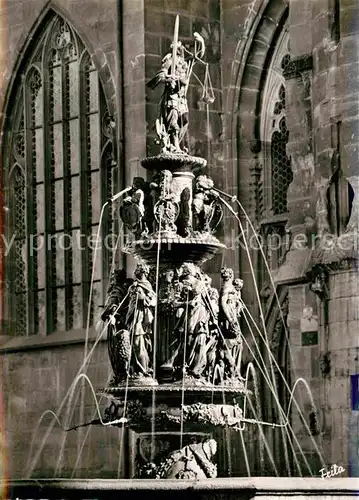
[(10, 344), (235, 488), (297, 66)]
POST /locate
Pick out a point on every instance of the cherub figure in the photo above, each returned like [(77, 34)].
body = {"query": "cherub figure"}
[(207, 213), (133, 211)]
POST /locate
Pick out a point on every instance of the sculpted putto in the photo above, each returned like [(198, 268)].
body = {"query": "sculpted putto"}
[(207, 212), (193, 461)]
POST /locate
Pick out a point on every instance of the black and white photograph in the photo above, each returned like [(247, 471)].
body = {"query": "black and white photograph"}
[(179, 263)]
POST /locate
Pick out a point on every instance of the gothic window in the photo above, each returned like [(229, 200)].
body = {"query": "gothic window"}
[(281, 170), (277, 172), (276, 164), (57, 175)]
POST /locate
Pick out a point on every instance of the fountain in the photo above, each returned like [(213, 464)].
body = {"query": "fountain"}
[(174, 340)]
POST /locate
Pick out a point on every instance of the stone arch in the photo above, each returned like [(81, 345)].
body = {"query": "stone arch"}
[(253, 49), (242, 106), (26, 41), (244, 95)]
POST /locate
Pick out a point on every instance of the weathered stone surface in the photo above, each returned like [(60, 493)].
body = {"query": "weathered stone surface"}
[(349, 20), (301, 39)]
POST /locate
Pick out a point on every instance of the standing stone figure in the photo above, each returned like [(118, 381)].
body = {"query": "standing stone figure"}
[(175, 73), (238, 285), (114, 314), (129, 310), (139, 320), (231, 343), (172, 122), (192, 327)]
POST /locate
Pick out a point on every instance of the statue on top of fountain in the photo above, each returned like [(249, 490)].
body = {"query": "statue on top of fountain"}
[(208, 341), (175, 74)]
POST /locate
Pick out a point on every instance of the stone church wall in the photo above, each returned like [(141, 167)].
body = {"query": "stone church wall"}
[(322, 92), (35, 380)]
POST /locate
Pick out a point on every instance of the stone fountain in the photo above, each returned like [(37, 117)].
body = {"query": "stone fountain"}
[(174, 340)]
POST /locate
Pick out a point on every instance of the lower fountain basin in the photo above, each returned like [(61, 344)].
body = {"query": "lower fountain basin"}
[(167, 406), (206, 392)]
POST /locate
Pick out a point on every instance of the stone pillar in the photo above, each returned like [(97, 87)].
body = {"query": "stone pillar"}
[(342, 345), (336, 142), (305, 337)]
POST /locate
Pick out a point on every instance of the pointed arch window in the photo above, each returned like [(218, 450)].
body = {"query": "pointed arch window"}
[(277, 172), (57, 174)]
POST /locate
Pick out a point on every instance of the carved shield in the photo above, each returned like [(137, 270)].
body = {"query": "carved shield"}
[(130, 215)]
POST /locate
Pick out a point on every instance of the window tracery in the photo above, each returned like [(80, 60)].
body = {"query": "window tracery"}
[(276, 174), (58, 179)]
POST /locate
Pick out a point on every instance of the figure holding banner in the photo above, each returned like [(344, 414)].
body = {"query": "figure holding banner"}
[(175, 73)]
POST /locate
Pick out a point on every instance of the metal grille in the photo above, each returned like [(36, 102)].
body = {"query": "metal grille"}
[(20, 278), (61, 158), (282, 174), (69, 55)]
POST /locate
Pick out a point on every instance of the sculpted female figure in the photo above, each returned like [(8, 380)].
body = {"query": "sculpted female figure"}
[(229, 324), (174, 75), (238, 349), (192, 323), (228, 318), (139, 319)]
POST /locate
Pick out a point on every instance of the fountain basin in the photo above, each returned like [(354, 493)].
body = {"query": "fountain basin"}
[(166, 406), (175, 162), (174, 250)]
